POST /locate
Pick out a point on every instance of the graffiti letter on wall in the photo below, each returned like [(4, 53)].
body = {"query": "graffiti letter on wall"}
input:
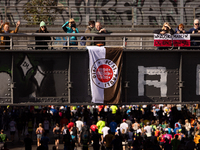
[(162, 84)]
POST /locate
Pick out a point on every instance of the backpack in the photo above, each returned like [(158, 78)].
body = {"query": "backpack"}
[(83, 42)]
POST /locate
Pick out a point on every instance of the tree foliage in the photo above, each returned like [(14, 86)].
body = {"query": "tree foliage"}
[(36, 11)]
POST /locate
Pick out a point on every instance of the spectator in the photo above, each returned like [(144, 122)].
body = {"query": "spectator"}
[(56, 132), (98, 29), (6, 27), (28, 142), (43, 29), (165, 29), (39, 131), (195, 30), (70, 27), (180, 29), (90, 26)]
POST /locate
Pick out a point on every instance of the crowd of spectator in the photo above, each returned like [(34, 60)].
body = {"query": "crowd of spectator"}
[(93, 27), (135, 127)]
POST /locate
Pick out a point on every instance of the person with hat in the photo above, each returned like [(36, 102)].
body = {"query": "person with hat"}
[(39, 40), (124, 126)]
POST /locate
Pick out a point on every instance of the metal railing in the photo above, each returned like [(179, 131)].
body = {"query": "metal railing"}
[(134, 41), (130, 16)]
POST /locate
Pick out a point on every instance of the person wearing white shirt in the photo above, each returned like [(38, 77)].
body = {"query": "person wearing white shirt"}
[(148, 129), (105, 130), (79, 125), (124, 126)]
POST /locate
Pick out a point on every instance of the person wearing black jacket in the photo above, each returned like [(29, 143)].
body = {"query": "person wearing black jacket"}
[(165, 29), (43, 29)]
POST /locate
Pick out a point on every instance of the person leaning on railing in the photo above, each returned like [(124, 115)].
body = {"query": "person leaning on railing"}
[(88, 30), (99, 30), (42, 29), (6, 28), (165, 29), (180, 29), (195, 30), (70, 27)]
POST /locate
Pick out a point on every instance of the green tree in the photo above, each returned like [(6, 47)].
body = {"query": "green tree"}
[(36, 11)]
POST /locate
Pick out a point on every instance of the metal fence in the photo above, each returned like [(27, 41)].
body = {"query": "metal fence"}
[(59, 41), (115, 16)]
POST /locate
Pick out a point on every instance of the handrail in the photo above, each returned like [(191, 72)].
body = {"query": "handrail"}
[(121, 40), (80, 34)]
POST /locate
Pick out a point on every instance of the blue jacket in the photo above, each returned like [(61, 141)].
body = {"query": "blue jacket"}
[(70, 30)]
